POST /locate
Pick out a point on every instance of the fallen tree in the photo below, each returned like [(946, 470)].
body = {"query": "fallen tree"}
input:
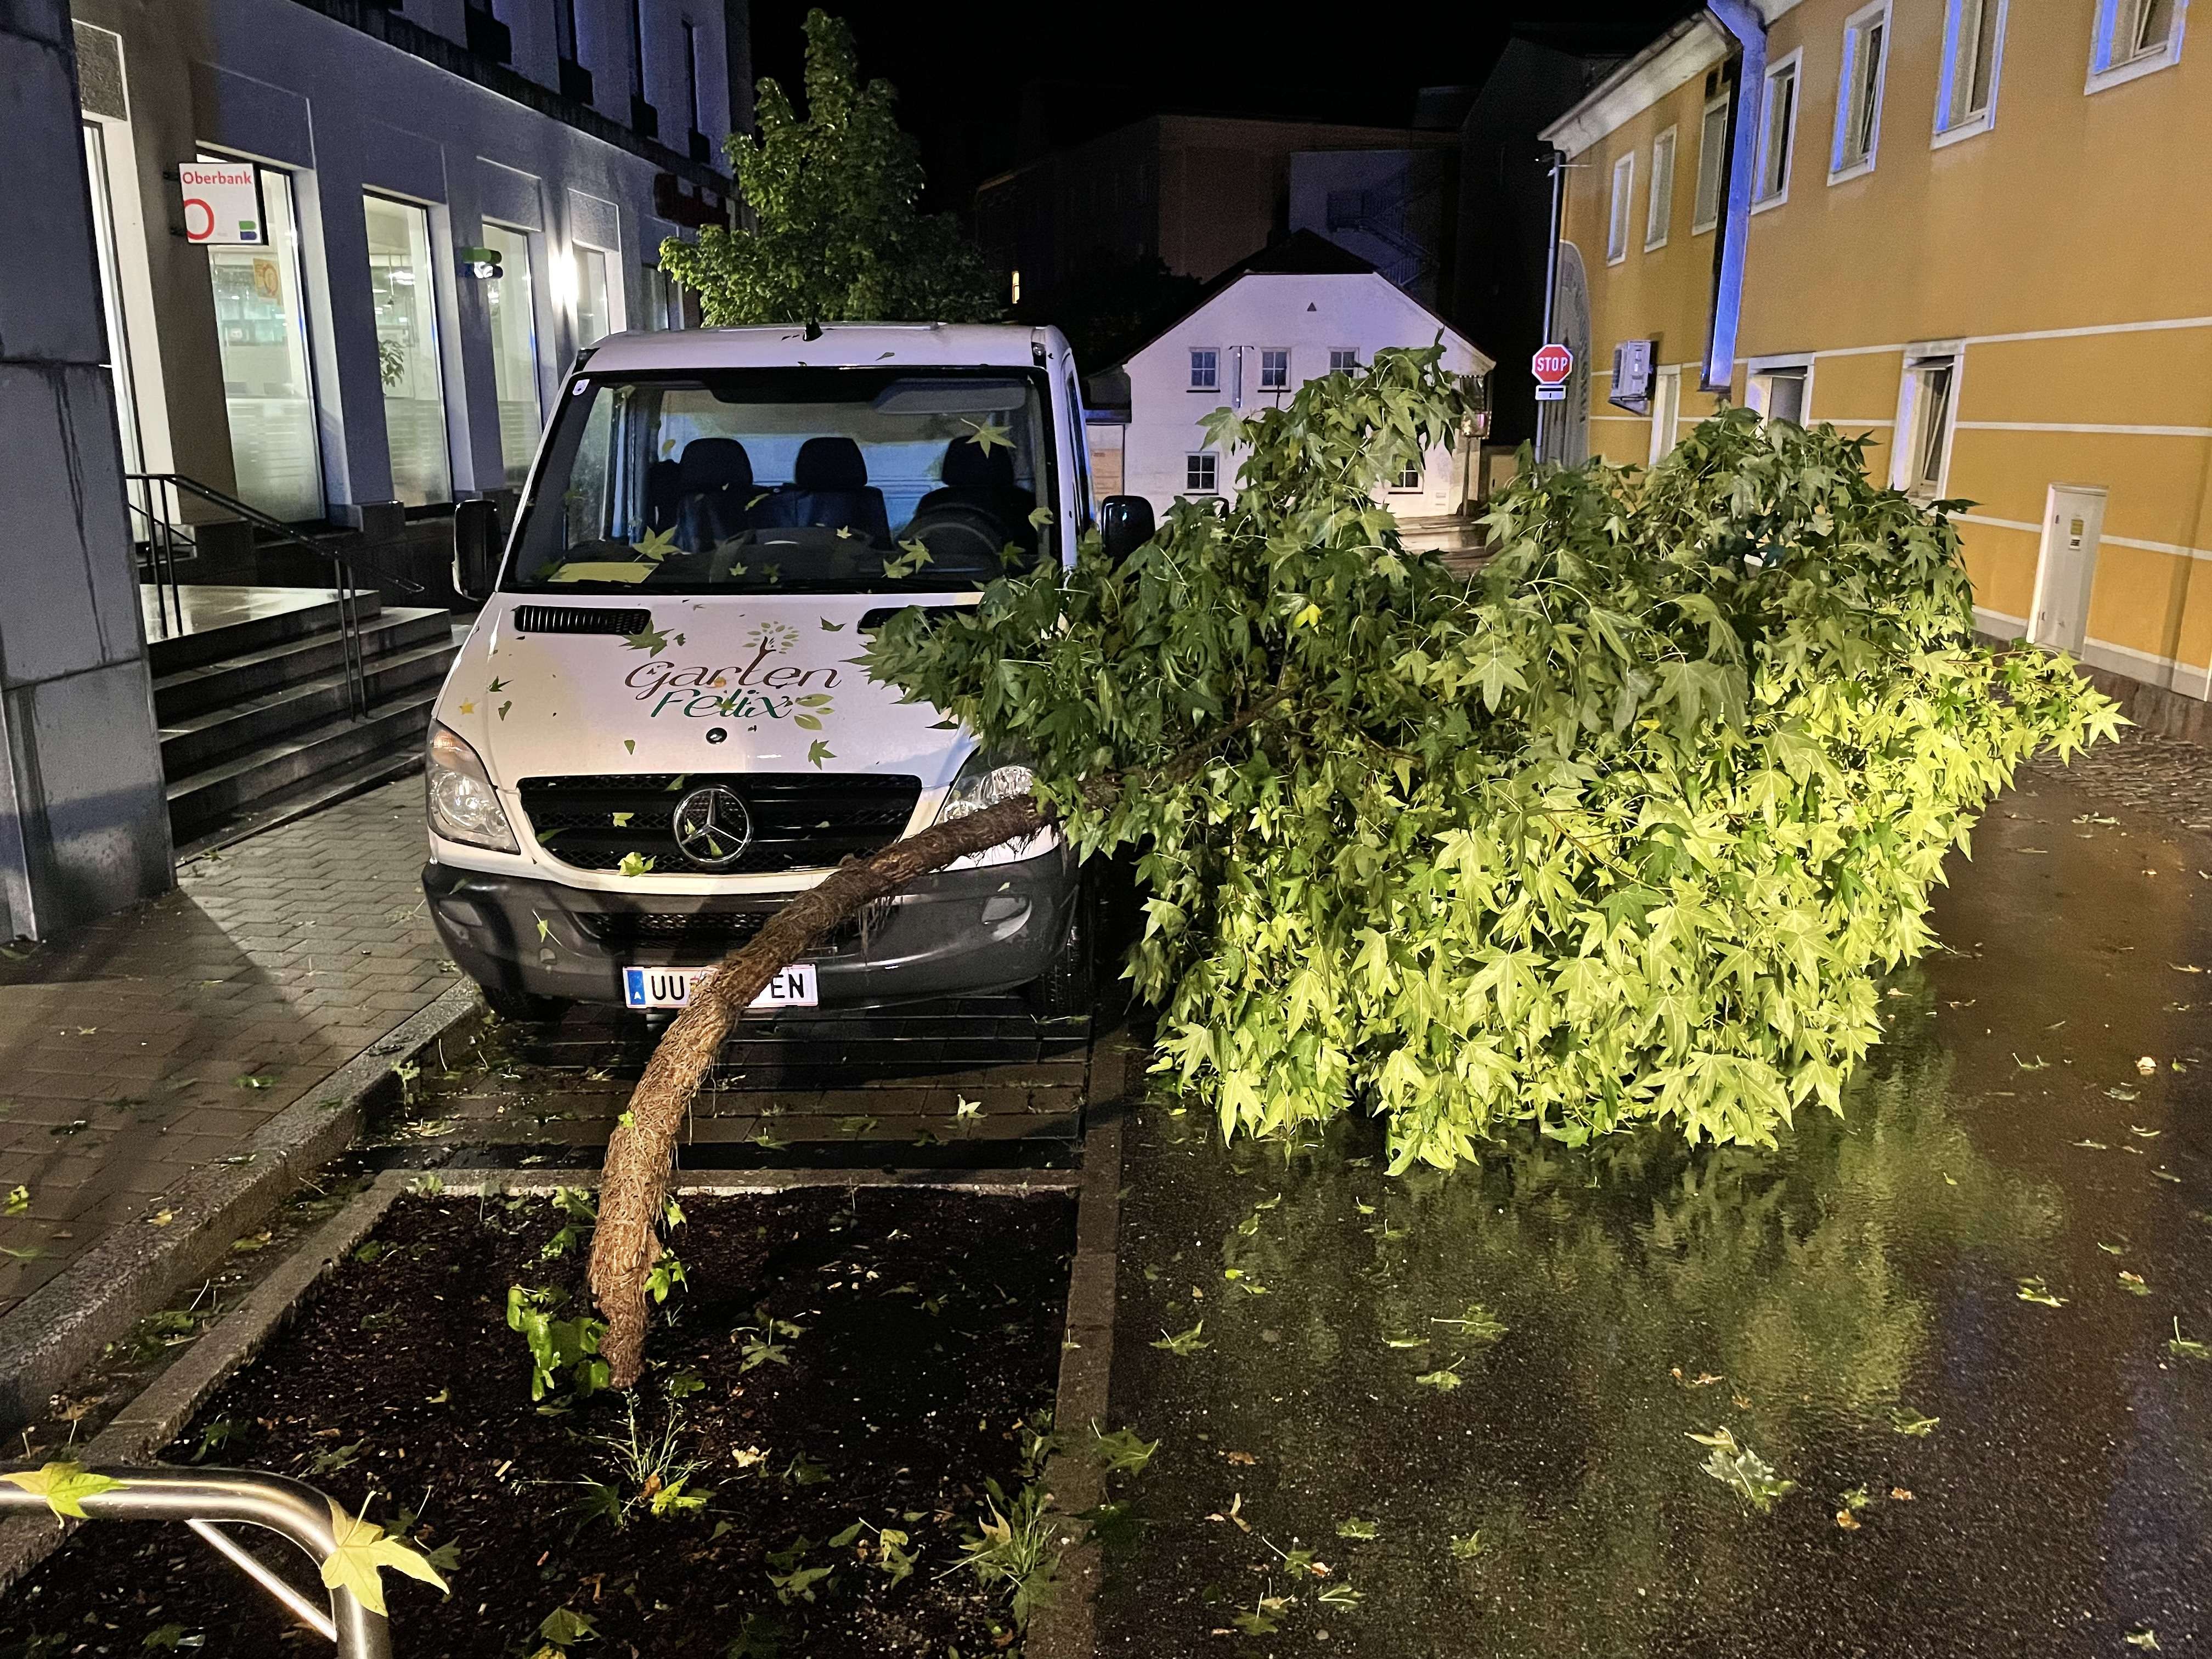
[(1621, 831)]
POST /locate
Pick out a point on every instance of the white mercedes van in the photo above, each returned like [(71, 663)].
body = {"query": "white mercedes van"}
[(657, 731)]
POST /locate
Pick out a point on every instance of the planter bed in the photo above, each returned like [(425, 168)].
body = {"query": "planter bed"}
[(930, 1330)]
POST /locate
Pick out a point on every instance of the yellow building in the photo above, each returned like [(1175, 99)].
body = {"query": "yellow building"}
[(1977, 231)]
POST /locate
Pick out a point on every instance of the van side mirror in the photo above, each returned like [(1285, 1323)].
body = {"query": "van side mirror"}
[(1124, 523), (476, 547)]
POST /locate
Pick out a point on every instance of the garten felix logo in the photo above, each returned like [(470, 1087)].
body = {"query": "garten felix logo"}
[(756, 687)]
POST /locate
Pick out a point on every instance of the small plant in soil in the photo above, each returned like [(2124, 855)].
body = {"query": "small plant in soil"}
[(654, 1475)]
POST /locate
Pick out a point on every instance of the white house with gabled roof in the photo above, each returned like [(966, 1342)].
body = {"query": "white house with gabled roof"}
[(1295, 311)]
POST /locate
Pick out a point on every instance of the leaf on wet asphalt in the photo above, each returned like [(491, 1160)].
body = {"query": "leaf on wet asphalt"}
[(1405, 1341), (1184, 1343), (2147, 1134), (2111, 1249), (2133, 1284), (2094, 1145), (2183, 1348), (1442, 1381), (1912, 1423), (1742, 1470), (2144, 1637), (1847, 1521), (2146, 1065), (2121, 1094), (1857, 1497), (2034, 1290), (2039, 1064), (1352, 1526), (1476, 1324), (1465, 1547), (1122, 1452)]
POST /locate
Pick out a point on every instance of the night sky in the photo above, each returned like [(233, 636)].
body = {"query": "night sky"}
[(980, 81)]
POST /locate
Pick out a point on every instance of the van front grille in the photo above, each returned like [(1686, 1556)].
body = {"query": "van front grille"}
[(579, 619), (801, 820)]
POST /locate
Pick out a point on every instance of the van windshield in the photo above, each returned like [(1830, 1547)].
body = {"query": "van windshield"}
[(791, 480)]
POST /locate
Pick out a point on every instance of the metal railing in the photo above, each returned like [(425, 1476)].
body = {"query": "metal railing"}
[(205, 1500), (158, 499)]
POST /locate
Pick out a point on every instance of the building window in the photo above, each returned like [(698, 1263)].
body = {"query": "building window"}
[(1408, 478), (1779, 391), (1014, 296), (1274, 368), (1624, 188), (1712, 165), (1965, 97), (1858, 93), (406, 312), (1659, 214), (692, 72), (261, 331), (1204, 369), (1342, 359), (564, 29), (2134, 36), (1777, 132), (595, 296), (1199, 473), (508, 299), (1666, 410), (1923, 424)]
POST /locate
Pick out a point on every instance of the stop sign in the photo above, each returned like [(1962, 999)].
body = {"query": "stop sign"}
[(1551, 365)]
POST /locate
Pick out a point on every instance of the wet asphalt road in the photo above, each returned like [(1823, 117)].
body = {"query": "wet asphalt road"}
[(1816, 1301)]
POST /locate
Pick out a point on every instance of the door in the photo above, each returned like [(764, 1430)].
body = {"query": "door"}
[(111, 296), (2073, 519)]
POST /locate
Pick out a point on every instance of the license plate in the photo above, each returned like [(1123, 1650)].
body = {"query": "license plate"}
[(671, 987)]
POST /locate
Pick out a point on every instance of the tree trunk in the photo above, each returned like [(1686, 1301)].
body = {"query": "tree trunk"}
[(626, 1242)]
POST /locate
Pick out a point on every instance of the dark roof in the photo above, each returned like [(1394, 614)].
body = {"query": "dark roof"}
[(1302, 253)]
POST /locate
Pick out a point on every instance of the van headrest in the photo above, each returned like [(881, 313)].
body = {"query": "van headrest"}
[(969, 465), (714, 464), (829, 463)]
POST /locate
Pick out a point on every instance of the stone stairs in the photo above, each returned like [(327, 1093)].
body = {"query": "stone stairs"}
[(255, 715)]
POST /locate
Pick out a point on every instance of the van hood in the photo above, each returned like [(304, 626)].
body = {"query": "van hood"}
[(738, 683)]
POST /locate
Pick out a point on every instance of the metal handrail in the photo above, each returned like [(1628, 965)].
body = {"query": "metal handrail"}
[(203, 1497), (165, 529)]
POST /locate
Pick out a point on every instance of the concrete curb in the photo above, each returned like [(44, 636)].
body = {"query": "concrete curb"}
[(1063, 1628), (64, 1325)]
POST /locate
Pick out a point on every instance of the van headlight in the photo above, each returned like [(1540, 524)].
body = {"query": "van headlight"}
[(463, 806), (986, 779)]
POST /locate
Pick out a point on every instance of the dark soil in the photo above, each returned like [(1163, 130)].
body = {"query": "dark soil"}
[(930, 1332)]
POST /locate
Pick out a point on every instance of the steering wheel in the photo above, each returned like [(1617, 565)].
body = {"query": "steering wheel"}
[(961, 535)]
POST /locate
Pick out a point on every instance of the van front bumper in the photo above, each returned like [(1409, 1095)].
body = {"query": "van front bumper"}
[(954, 932)]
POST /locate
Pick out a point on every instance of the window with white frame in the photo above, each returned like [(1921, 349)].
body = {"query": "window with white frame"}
[(1666, 410), (1858, 92), (1712, 165), (1777, 132), (1408, 478), (1342, 359), (1925, 413), (1201, 471), (1659, 214), (1966, 96), (1274, 368), (1205, 368), (2134, 36), (1777, 390), (1624, 188)]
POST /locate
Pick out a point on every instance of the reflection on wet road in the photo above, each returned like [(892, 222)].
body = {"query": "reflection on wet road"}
[(1948, 1317)]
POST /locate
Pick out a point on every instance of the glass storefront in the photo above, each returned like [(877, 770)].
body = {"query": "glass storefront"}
[(595, 296), (400, 275), (513, 349), (261, 325)]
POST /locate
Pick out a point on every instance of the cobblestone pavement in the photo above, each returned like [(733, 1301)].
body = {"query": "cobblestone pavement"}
[(156, 1040), (2160, 776)]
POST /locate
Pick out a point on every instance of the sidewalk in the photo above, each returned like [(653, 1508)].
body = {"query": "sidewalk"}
[(156, 1040)]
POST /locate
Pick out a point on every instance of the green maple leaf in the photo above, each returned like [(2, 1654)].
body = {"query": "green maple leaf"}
[(648, 639), (817, 751), (1183, 1344), (1041, 517), (359, 1549), (828, 627), (658, 545), (632, 865), (496, 685), (1912, 1423), (1443, 1382), (64, 1485), (989, 435)]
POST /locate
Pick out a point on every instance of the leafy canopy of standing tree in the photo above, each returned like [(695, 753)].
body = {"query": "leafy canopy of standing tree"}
[(835, 236), (1621, 830)]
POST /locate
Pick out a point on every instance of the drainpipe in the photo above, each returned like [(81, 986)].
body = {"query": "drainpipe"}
[(1545, 423), (1741, 21)]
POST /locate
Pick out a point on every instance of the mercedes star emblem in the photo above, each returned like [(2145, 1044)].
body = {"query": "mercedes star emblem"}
[(712, 827)]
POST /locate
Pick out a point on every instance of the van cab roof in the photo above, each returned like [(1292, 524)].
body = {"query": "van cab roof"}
[(841, 345)]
